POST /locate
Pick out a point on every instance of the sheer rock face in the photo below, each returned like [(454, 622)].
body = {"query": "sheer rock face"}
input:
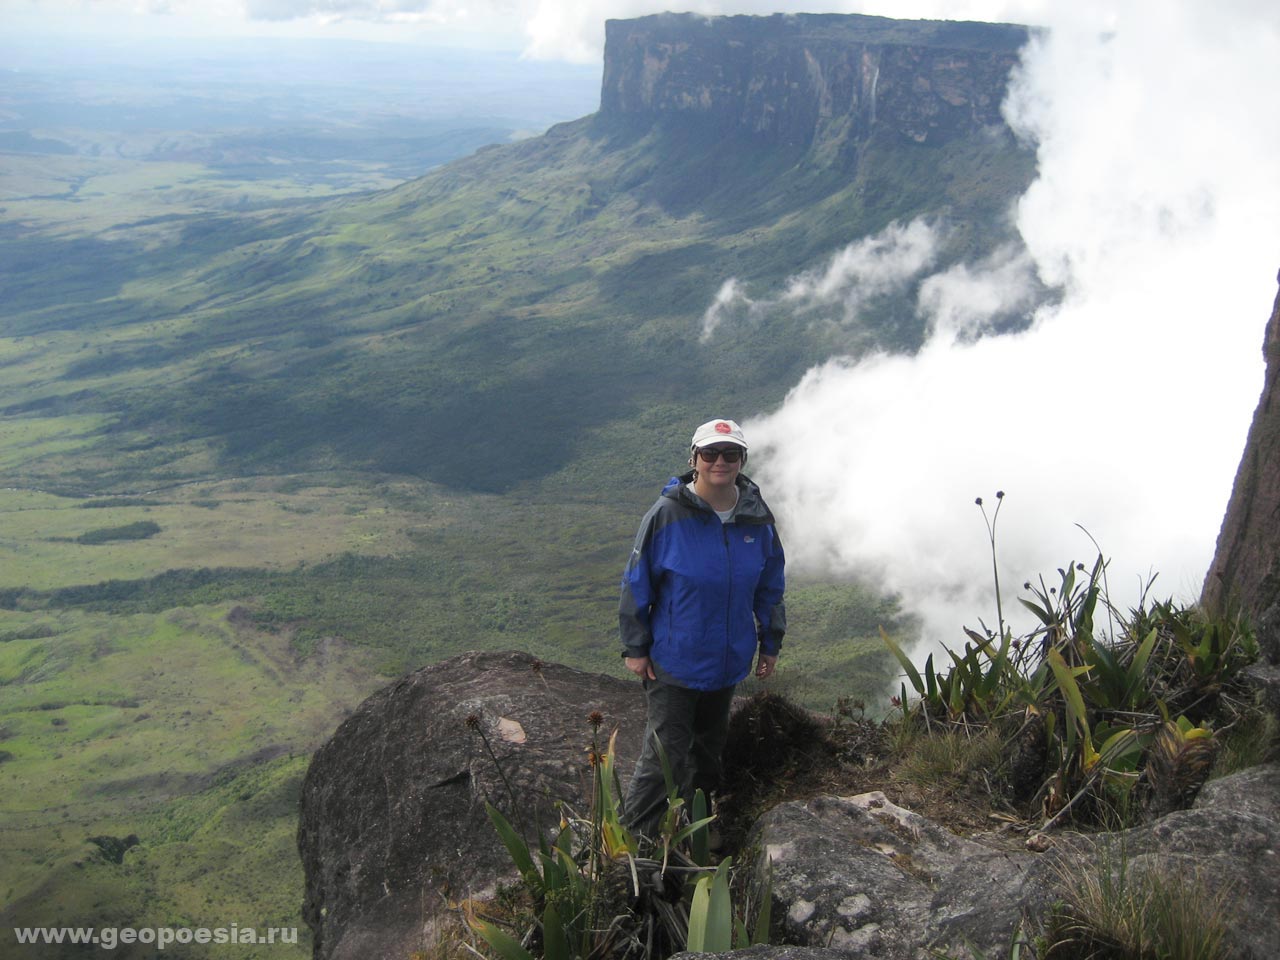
[(393, 824), (798, 79), (1246, 567)]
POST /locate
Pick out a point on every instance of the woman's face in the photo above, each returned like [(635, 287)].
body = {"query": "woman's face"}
[(721, 471)]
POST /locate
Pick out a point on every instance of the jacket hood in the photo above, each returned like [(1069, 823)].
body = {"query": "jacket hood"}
[(751, 506)]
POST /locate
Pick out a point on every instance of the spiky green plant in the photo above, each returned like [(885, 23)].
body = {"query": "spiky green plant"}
[(570, 883), (1126, 702)]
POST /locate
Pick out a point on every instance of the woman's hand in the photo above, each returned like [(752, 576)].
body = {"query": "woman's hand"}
[(641, 667), (766, 665)]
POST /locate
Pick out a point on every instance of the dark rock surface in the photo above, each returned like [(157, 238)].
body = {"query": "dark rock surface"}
[(795, 79), (1255, 791), (393, 825), (1246, 566)]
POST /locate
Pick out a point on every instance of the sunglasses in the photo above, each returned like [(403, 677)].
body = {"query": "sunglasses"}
[(711, 455)]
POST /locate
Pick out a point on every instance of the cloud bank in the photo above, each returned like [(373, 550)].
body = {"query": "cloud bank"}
[(1125, 407), (545, 29)]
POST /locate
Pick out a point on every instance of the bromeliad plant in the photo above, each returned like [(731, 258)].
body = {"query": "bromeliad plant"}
[(1126, 702), (598, 892)]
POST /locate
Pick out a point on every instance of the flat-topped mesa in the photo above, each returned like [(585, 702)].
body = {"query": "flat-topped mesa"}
[(794, 79)]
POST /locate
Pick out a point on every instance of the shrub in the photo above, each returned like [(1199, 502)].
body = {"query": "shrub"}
[(130, 531), (1114, 908)]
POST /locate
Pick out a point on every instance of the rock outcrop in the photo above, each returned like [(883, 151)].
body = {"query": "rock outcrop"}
[(393, 824), (865, 876), (799, 78), (1246, 565), (1245, 573), (393, 828)]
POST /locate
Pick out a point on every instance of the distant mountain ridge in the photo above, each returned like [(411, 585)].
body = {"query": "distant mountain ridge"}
[(792, 79)]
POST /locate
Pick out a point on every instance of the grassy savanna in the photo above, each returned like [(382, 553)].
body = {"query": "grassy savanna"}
[(70, 195), (186, 729), (272, 524)]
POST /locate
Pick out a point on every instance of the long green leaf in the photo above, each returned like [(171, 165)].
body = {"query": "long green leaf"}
[(692, 830), (667, 775), (515, 844), (553, 874), (1119, 745), (577, 885), (1045, 617), (719, 935), (912, 674), (741, 939), (700, 838), (698, 908), (1075, 703), (931, 678), (507, 946), (1070, 689), (989, 683), (1138, 667), (555, 945)]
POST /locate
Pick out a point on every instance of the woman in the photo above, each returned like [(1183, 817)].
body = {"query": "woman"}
[(701, 593)]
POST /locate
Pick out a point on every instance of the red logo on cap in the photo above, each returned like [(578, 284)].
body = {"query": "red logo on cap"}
[(723, 427)]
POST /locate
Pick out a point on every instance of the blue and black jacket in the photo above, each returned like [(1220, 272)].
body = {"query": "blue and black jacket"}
[(699, 595)]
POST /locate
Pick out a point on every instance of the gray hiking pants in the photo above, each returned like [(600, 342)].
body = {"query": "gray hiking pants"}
[(692, 726)]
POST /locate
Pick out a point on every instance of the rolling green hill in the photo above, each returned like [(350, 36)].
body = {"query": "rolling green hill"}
[(256, 464)]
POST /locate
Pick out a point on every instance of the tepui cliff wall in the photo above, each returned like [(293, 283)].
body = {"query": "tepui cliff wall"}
[(1246, 567), (794, 79)]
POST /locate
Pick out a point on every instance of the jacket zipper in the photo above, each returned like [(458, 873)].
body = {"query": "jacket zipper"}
[(728, 608)]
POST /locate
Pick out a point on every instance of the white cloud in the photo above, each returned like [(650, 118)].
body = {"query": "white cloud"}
[(549, 29), (1124, 408), (837, 292), (869, 268)]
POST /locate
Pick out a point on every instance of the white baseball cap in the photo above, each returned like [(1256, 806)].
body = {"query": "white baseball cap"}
[(718, 431)]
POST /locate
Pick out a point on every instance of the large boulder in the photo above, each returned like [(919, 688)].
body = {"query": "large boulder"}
[(393, 825), (861, 874)]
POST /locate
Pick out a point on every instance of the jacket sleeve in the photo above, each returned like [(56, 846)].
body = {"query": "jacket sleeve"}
[(637, 593), (770, 611)]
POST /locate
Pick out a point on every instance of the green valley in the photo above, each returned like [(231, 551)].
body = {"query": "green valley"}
[(257, 462)]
